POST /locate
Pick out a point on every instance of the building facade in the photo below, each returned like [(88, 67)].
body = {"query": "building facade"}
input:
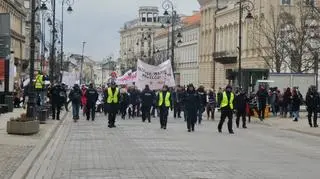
[(17, 32), (187, 52), (27, 5), (137, 38)]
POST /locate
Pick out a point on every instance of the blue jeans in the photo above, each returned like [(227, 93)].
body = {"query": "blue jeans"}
[(75, 110), (200, 112), (295, 114)]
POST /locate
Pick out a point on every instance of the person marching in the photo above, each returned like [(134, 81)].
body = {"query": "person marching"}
[(124, 102), (192, 103), (226, 107), (164, 103), (112, 97), (92, 97), (147, 98), (83, 99), (75, 97), (39, 87), (57, 100), (241, 102)]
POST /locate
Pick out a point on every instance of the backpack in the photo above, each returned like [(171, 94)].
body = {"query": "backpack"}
[(76, 95), (62, 94)]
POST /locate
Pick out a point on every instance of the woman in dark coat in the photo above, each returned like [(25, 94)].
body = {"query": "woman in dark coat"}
[(296, 101), (191, 102), (286, 101)]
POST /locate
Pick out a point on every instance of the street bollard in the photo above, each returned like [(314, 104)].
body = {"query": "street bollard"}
[(42, 116), (8, 99)]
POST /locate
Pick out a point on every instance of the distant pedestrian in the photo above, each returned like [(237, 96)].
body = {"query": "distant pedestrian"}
[(202, 103), (147, 99), (241, 102), (211, 104), (296, 102), (226, 106), (262, 96), (164, 103), (58, 95), (75, 97), (92, 97), (312, 102), (83, 99), (112, 97), (191, 102)]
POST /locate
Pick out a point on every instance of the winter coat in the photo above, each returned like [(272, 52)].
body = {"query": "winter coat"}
[(241, 102), (296, 101), (83, 96), (147, 98), (312, 100), (191, 101), (75, 95)]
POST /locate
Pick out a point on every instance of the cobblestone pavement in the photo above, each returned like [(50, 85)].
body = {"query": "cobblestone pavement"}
[(141, 150), (11, 156)]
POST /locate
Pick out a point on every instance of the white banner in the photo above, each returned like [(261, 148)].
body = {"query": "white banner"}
[(127, 79), (154, 76), (70, 78)]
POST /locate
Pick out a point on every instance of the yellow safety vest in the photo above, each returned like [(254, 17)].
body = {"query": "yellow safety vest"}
[(224, 101), (166, 100), (113, 98), (39, 82)]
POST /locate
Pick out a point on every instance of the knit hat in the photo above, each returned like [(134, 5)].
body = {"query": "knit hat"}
[(229, 86)]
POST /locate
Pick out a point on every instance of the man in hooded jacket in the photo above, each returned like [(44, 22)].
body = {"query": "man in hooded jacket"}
[(226, 106)]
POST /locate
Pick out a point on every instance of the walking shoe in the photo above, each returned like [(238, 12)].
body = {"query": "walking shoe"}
[(316, 125), (189, 130), (231, 132), (244, 127), (219, 130)]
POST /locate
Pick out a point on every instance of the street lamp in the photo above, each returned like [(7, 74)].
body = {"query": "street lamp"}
[(167, 5), (31, 109), (81, 63), (249, 6), (69, 10)]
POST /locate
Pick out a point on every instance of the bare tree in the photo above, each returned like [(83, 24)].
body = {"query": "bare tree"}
[(300, 36), (286, 38), (267, 35)]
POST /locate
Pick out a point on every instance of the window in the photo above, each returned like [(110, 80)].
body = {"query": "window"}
[(285, 2)]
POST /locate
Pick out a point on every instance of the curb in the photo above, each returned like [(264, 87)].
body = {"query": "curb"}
[(25, 167), (303, 132)]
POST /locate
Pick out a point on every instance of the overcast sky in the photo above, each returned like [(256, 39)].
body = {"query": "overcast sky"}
[(98, 21)]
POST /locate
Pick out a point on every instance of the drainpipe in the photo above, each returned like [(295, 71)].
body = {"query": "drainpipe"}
[(215, 44)]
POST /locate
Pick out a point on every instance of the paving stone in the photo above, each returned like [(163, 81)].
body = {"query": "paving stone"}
[(11, 156), (141, 150)]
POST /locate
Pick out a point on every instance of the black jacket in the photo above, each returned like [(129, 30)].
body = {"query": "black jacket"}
[(75, 95), (92, 96), (58, 94), (202, 98), (191, 101), (312, 100), (147, 97), (241, 102)]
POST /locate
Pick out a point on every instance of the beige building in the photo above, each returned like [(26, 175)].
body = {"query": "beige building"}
[(17, 24), (219, 40), (136, 38)]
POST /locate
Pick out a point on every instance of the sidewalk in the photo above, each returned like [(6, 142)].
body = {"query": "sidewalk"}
[(18, 152), (302, 126)]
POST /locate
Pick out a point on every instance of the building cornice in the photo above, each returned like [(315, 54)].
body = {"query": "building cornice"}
[(17, 36), (14, 6)]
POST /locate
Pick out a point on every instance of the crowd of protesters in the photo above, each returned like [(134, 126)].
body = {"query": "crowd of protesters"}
[(130, 102)]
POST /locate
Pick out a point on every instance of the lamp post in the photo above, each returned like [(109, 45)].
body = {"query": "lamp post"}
[(249, 6), (81, 63), (69, 9), (31, 109), (172, 20), (45, 18), (52, 55)]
